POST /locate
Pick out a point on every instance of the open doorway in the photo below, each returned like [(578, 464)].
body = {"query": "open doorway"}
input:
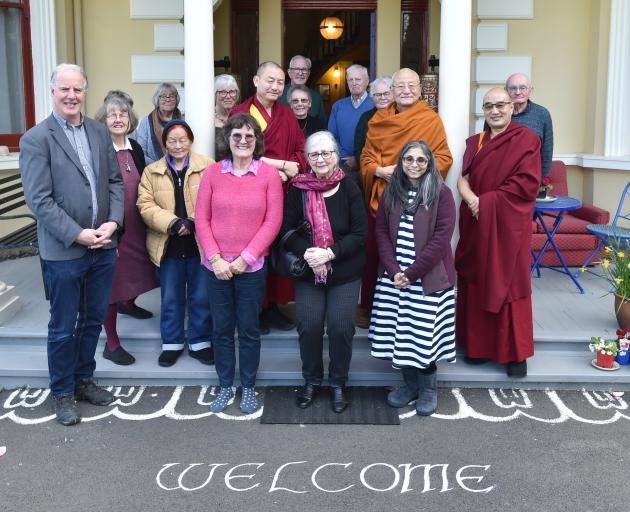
[(330, 57)]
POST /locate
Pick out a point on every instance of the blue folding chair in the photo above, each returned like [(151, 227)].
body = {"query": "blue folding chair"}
[(613, 231)]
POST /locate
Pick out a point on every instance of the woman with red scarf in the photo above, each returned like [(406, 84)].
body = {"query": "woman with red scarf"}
[(335, 252)]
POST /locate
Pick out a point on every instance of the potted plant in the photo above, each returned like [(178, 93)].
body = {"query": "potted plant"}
[(623, 342), (606, 351), (544, 188)]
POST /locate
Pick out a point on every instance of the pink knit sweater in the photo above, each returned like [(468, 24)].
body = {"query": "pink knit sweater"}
[(238, 216)]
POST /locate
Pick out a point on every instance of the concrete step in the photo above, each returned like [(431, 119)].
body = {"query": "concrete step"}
[(555, 365)]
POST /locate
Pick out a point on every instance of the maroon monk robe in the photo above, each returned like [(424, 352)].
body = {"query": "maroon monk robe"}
[(494, 310), (284, 140)]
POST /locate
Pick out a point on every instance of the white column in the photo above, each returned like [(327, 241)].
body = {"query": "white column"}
[(617, 142), (199, 73), (454, 92), (44, 48)]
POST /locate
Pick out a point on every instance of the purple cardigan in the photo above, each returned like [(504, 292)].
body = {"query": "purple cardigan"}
[(432, 232)]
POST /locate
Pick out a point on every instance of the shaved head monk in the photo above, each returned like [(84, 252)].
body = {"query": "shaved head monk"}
[(407, 118), (284, 150), (500, 177)]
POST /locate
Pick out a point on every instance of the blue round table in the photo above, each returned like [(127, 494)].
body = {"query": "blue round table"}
[(555, 209)]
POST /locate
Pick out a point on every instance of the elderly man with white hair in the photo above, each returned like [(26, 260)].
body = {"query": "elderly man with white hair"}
[(346, 112), (530, 114)]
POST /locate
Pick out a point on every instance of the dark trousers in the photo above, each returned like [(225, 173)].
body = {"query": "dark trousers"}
[(79, 296), (236, 304), (337, 306)]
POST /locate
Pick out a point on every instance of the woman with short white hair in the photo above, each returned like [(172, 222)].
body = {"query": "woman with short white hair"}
[(334, 249), (226, 96)]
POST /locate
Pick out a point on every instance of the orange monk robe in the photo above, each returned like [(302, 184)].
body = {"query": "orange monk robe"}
[(388, 132)]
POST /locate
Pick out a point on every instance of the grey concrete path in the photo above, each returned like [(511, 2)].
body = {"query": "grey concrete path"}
[(159, 448)]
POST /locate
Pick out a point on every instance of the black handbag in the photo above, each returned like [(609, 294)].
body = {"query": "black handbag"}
[(284, 261)]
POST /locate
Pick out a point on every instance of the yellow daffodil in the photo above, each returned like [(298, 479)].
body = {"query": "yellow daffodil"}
[(618, 280), (628, 265), (605, 263), (583, 269), (608, 249), (621, 254)]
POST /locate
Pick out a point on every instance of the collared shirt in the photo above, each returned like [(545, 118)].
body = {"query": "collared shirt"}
[(229, 167), (77, 136), (357, 103), (126, 146)]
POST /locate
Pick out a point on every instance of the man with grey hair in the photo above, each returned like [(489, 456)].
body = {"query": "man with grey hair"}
[(345, 115), (299, 72), (530, 114), (72, 183)]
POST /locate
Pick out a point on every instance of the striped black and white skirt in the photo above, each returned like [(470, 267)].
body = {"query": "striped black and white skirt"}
[(411, 329)]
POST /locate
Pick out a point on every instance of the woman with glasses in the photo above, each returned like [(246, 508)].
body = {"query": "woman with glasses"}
[(334, 249), (135, 273), (226, 96), (149, 134), (166, 200), (300, 101), (238, 215), (413, 317)]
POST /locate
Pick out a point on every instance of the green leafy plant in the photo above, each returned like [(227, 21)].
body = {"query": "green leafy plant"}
[(599, 344)]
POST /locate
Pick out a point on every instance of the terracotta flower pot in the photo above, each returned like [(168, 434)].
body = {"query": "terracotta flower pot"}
[(605, 360), (622, 312)]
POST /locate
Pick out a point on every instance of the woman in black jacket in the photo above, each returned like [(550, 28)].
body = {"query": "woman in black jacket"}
[(334, 249), (135, 274)]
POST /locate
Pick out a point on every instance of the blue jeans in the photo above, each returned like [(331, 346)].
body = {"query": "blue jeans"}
[(79, 296), (181, 281), (236, 303)]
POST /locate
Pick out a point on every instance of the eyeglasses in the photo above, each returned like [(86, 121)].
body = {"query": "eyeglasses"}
[(168, 97), (412, 86), (231, 92), (488, 107), (378, 95), (297, 101), (410, 160), (238, 137), (326, 155), (113, 116), (300, 70), (517, 88)]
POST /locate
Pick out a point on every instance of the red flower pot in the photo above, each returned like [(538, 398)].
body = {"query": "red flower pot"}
[(605, 360)]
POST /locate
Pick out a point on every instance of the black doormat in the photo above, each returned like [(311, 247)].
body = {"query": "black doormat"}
[(368, 406)]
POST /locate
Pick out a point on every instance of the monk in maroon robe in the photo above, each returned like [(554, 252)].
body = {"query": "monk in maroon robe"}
[(500, 178), (284, 150)]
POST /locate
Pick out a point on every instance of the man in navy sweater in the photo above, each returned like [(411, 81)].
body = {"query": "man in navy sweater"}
[(530, 114)]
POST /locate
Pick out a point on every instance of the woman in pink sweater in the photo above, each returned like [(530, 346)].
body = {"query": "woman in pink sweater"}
[(237, 217)]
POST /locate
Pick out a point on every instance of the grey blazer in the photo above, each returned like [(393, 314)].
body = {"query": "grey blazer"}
[(58, 192)]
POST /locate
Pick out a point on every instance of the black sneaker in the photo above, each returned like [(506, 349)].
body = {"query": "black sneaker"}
[(133, 310), (169, 357), (66, 410), (118, 356), (88, 391), (204, 356)]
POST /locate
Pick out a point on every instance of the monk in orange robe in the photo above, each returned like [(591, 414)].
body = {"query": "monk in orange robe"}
[(407, 118), (500, 178), (284, 150)]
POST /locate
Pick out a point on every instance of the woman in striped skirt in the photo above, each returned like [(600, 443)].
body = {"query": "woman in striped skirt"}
[(413, 318)]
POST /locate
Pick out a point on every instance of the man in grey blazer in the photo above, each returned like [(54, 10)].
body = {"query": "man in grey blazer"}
[(73, 185)]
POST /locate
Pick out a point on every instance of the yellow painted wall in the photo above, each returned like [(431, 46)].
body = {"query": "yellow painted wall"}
[(270, 31), (387, 37), (562, 40), (111, 38), (434, 27)]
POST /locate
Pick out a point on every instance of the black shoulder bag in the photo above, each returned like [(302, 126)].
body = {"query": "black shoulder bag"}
[(284, 261)]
